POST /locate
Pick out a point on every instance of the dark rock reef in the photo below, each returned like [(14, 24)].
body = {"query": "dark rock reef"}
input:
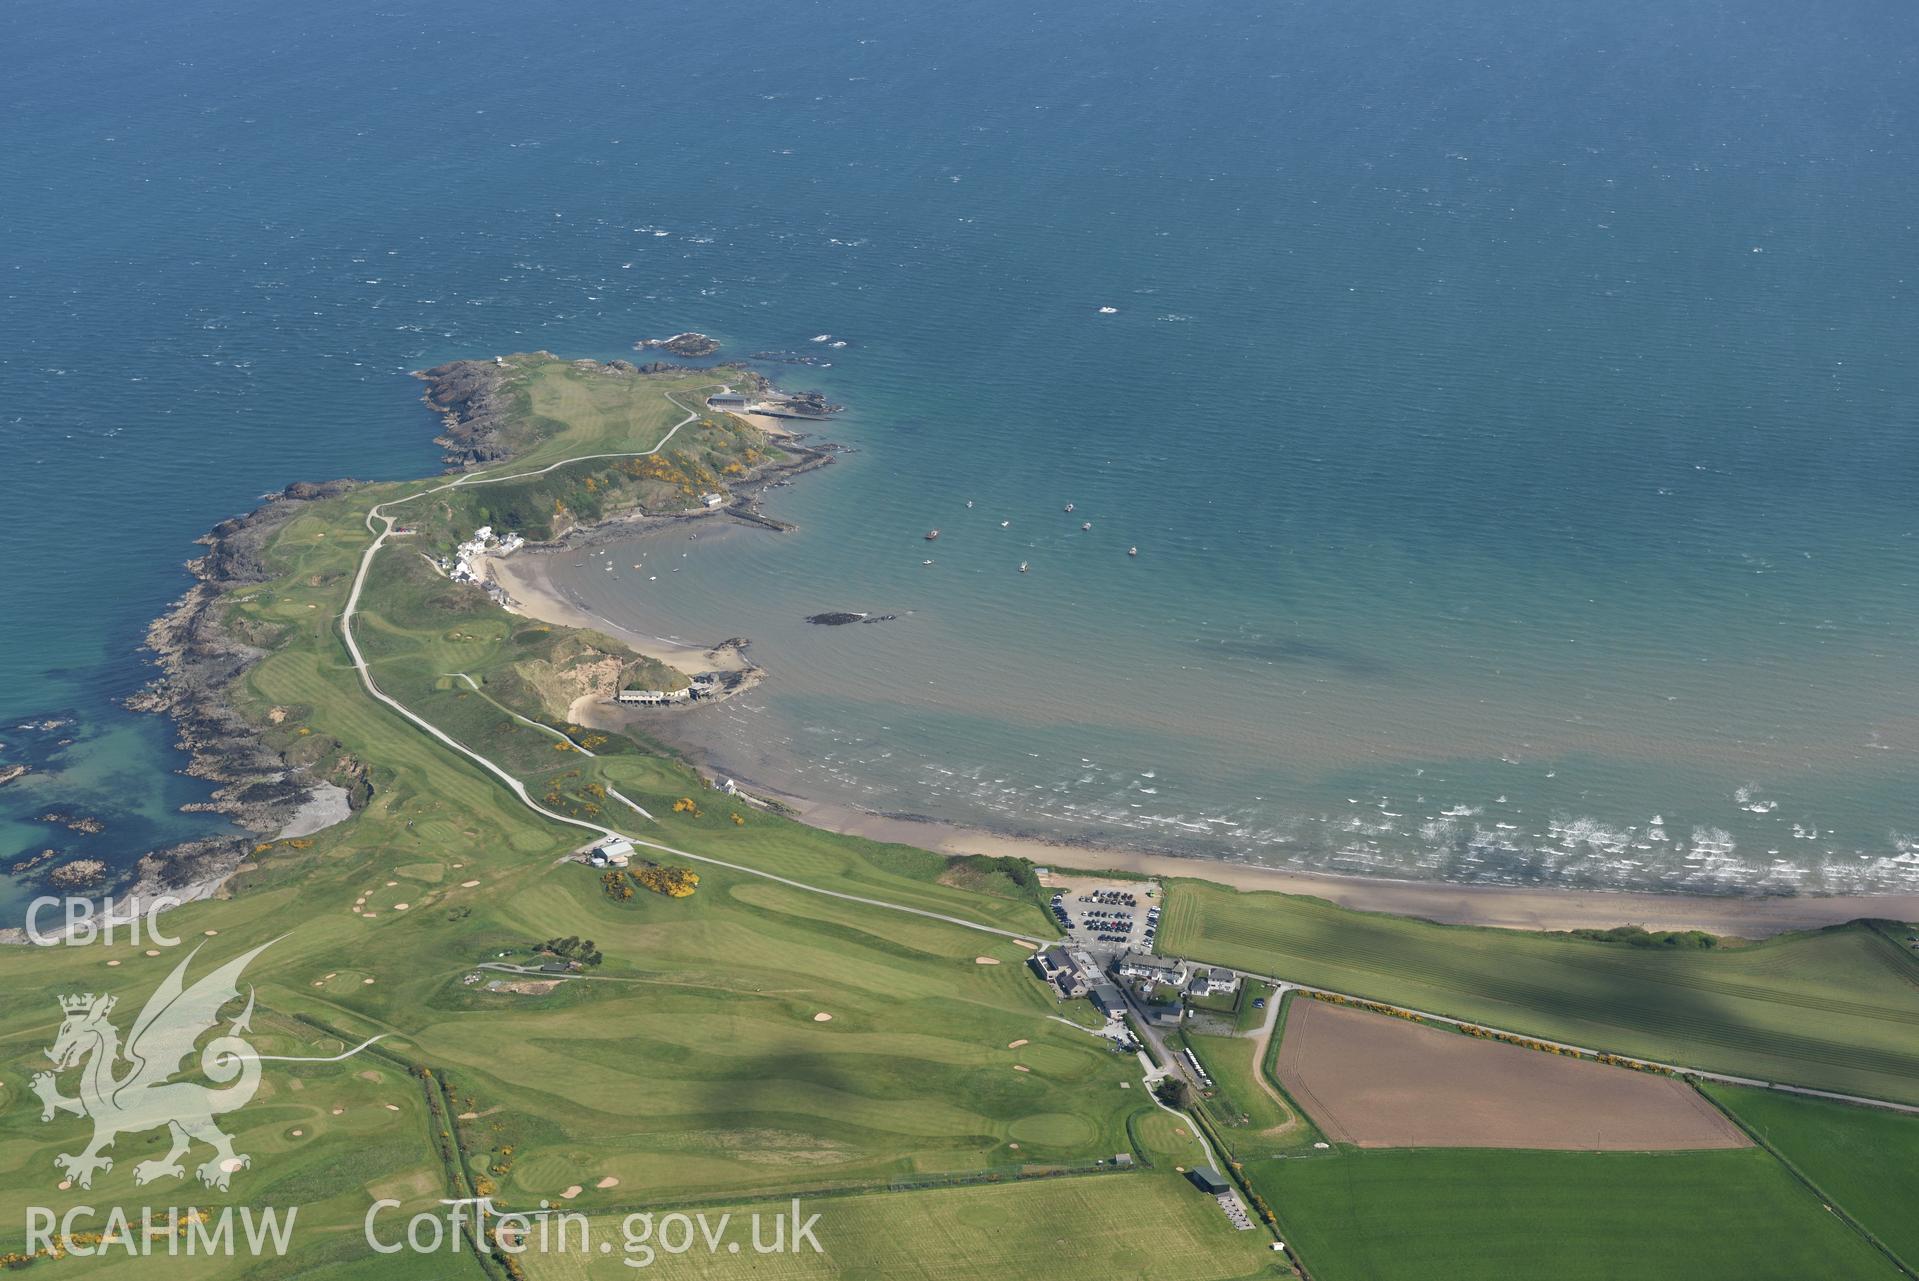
[(690, 345), (841, 618)]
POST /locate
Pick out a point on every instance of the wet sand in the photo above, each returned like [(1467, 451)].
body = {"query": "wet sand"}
[(524, 577)]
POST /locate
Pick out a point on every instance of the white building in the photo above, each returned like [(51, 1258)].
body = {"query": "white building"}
[(710, 501), (615, 850), (1152, 969), (470, 557), (654, 696), (1211, 982)]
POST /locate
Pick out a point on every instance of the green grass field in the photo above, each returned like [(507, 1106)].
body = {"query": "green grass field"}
[(691, 1065), (1865, 1159), (1251, 1121), (1122, 1227), (1837, 1009), (1434, 1215)]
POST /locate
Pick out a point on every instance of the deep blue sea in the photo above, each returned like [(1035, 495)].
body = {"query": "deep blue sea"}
[(1513, 404)]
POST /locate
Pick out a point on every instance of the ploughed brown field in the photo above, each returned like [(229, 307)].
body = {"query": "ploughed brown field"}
[(1383, 1082)]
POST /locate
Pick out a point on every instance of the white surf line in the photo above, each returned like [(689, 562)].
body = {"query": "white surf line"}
[(514, 784), (1282, 986)]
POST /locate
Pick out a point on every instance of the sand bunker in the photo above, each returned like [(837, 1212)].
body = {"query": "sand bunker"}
[(1383, 1082), (986, 960), (571, 1192), (1021, 1067), (608, 1182), (822, 1017), (1014, 1045), (467, 885)]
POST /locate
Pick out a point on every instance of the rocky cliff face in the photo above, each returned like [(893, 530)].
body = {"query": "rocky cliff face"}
[(201, 663), (473, 415)]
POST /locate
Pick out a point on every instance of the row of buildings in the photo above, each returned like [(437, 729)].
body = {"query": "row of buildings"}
[(1073, 973), (704, 685), (468, 562)]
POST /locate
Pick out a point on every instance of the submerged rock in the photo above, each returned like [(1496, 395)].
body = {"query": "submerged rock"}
[(841, 618)]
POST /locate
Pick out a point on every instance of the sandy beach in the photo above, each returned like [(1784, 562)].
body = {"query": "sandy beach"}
[(1505, 907), (1496, 906), (524, 579)]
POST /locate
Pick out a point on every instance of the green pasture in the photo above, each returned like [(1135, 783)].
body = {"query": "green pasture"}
[(1438, 1214), (1866, 1160), (1119, 1227), (1838, 1008)]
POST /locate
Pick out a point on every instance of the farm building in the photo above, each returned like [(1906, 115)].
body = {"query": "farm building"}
[(1208, 1180), (615, 851), (1110, 1000), (1165, 1015)]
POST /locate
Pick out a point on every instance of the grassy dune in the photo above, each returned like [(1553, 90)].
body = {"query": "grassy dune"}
[(1837, 1009)]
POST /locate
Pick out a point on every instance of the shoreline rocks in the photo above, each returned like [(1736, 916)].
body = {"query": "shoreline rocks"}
[(202, 660), (200, 663), (81, 874), (83, 823), (691, 345)]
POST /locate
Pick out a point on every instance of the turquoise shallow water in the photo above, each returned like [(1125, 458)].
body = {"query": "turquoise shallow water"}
[(1512, 401)]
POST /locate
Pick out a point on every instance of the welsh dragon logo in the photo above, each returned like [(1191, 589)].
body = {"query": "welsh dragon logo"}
[(140, 1095)]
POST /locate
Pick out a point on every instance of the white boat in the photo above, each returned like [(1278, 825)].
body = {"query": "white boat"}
[(932, 534), (1132, 551), (1003, 524), (1085, 525), (1069, 507), (926, 562), (1023, 567)]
